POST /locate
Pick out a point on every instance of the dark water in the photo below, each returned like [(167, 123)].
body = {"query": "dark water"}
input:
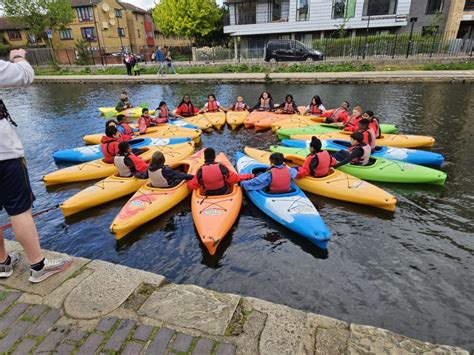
[(411, 272)]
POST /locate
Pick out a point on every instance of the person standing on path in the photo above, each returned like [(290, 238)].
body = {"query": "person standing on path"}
[(16, 196), (160, 59), (127, 60), (169, 62)]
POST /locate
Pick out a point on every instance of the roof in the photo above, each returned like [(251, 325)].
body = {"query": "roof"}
[(78, 3), (132, 8), (6, 24)]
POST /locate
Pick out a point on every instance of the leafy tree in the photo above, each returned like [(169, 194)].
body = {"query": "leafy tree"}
[(216, 37), (38, 15), (192, 19)]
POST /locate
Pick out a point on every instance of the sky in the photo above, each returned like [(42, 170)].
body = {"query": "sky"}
[(147, 4)]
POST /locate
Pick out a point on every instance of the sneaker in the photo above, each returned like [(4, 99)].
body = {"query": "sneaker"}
[(7, 270), (50, 268)]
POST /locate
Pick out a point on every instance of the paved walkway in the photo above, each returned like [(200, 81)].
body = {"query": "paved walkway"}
[(99, 307), (344, 77)]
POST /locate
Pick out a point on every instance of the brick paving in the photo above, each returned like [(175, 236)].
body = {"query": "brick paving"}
[(29, 328)]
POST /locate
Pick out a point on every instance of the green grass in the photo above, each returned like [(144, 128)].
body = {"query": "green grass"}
[(255, 68)]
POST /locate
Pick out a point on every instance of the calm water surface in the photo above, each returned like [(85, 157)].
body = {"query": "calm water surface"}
[(411, 271)]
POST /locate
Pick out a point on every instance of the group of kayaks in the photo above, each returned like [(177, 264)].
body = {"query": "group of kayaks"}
[(214, 216)]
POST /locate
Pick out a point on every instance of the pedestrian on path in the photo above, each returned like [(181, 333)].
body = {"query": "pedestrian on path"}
[(169, 62), (160, 59), (16, 196), (127, 60)]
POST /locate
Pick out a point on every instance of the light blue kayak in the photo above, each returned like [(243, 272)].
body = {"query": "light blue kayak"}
[(412, 156), (293, 210), (181, 123), (93, 152)]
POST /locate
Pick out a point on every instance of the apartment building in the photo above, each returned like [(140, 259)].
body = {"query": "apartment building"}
[(15, 35)]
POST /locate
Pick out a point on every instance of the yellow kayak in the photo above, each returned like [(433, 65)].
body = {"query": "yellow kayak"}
[(133, 112), (336, 185), (236, 118), (115, 186), (293, 122), (216, 119), (161, 131), (266, 123), (392, 140), (199, 121), (149, 202), (97, 169)]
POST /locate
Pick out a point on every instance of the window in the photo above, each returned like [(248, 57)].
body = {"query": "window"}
[(245, 13), (274, 10), (302, 10), (14, 35), (138, 33), (469, 5), (84, 14), (121, 32), (380, 7), (343, 8), (136, 16), (65, 34), (434, 7), (88, 33), (118, 13)]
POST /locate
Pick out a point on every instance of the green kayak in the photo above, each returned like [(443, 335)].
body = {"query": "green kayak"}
[(285, 133), (380, 169)]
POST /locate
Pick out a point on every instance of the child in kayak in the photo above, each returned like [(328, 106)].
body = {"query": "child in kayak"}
[(214, 178), (239, 105), (339, 114), (162, 113), (146, 121), (212, 105), (315, 108), (289, 106), (124, 127), (109, 143), (357, 154), (367, 132), (162, 176), (276, 180), (352, 122), (128, 164), (186, 108), (123, 103), (318, 163), (374, 123), (265, 103)]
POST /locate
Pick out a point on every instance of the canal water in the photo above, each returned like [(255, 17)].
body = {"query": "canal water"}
[(410, 271)]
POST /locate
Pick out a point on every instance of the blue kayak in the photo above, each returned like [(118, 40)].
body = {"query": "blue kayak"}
[(93, 152), (181, 123), (293, 210), (413, 156)]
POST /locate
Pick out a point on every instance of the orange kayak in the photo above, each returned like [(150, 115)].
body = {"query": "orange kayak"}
[(254, 117), (214, 216), (266, 123)]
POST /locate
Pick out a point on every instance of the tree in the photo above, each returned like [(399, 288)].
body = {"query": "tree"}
[(38, 15), (192, 19), (216, 37)]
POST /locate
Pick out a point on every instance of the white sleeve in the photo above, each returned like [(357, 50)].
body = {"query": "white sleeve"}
[(308, 107), (205, 105), (15, 74), (218, 103), (322, 108)]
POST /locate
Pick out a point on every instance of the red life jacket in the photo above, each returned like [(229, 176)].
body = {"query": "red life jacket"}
[(239, 106), (128, 130), (314, 110), (364, 159), (163, 112), (187, 110), (109, 147), (289, 107), (264, 104), (375, 126), (212, 106), (146, 120), (369, 138), (281, 180), (325, 160), (140, 164), (212, 177), (353, 121)]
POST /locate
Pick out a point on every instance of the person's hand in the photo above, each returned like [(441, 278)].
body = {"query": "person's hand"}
[(17, 53)]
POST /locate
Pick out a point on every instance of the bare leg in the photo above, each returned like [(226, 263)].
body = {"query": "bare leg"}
[(25, 232)]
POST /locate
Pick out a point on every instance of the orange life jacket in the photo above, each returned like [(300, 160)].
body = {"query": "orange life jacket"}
[(212, 106), (325, 160), (213, 177)]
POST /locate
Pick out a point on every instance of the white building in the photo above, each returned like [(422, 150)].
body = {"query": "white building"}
[(257, 21)]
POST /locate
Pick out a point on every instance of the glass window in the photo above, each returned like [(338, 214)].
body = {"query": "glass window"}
[(14, 35), (118, 13), (65, 34), (275, 10), (84, 14), (121, 32), (434, 7), (245, 13), (380, 7), (88, 33), (302, 10), (469, 5), (343, 8)]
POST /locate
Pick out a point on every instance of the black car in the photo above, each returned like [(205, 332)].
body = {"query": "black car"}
[(280, 50)]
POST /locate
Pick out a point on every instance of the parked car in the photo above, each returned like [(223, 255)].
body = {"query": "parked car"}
[(280, 50)]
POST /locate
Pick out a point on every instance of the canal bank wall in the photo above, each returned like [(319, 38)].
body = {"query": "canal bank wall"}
[(445, 76), (96, 306)]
